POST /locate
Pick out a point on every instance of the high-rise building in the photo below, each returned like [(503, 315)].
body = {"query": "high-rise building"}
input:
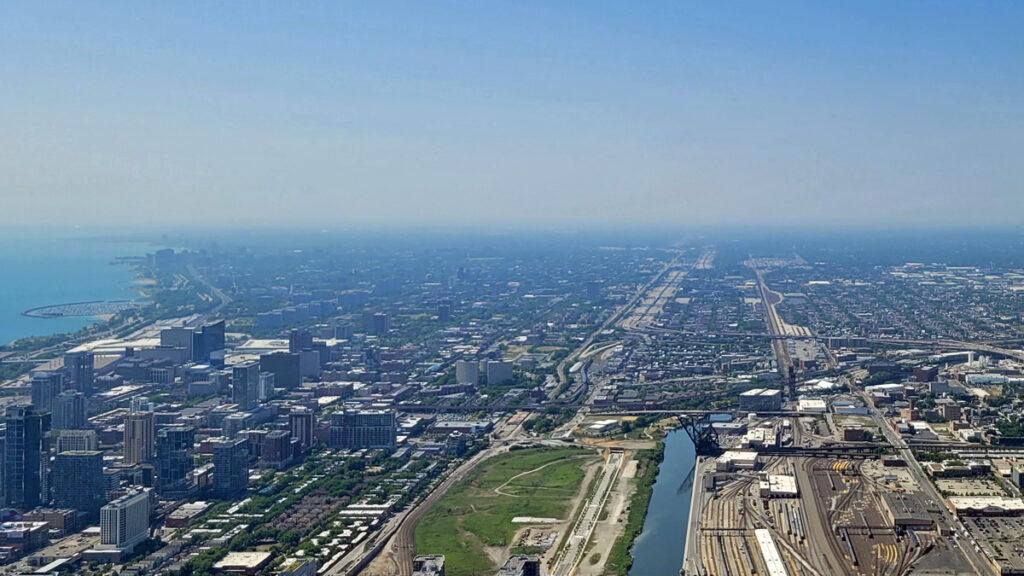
[(230, 466), (208, 344), (25, 462), (245, 382), (299, 340), (301, 422), (174, 457), (364, 429), (266, 387), (467, 372), (124, 523), (444, 312), (499, 373), (70, 411), (381, 323), (45, 387), (277, 449), (77, 441), (179, 337), (285, 368), (139, 435), (343, 332), (78, 482), (81, 368)]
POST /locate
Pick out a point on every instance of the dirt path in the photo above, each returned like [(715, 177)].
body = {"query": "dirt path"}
[(527, 473), (497, 490)]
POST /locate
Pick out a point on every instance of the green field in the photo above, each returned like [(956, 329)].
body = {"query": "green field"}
[(472, 515)]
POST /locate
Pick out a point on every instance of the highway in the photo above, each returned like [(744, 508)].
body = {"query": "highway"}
[(775, 328)]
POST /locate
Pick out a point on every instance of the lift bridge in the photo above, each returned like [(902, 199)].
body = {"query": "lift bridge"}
[(697, 426)]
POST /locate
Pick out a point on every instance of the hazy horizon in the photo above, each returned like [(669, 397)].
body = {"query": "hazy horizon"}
[(861, 115)]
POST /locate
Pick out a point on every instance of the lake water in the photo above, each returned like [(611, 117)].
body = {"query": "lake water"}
[(40, 268), (658, 551)]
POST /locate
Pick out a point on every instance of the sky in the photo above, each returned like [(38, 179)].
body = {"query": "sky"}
[(495, 113)]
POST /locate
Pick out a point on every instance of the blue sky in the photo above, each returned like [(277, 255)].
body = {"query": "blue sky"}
[(518, 112)]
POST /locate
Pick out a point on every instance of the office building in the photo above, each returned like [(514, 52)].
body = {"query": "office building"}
[(77, 441), (70, 411), (301, 422), (124, 523), (230, 466), (467, 372), (364, 429), (180, 338), (285, 368), (139, 436), (81, 368), (245, 382), (499, 373), (208, 344), (174, 458), (45, 387), (78, 482), (25, 457)]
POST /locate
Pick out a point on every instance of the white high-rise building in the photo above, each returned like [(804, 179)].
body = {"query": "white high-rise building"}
[(125, 522), (467, 372)]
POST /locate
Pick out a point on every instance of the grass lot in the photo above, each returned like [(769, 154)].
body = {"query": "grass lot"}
[(472, 515)]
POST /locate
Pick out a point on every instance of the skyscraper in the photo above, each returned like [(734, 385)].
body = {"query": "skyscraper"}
[(208, 344), (45, 387), (81, 367), (245, 382), (78, 482), (230, 466), (174, 461), (25, 467), (138, 435), (69, 411)]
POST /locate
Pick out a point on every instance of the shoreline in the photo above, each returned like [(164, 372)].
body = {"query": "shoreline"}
[(692, 527)]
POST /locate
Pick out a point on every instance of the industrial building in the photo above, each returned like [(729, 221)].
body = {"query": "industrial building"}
[(761, 400)]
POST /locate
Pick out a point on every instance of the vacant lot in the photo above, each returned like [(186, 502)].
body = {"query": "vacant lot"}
[(478, 512)]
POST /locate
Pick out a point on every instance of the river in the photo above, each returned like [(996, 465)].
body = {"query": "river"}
[(658, 550)]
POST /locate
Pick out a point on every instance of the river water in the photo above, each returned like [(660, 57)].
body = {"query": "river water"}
[(658, 551)]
